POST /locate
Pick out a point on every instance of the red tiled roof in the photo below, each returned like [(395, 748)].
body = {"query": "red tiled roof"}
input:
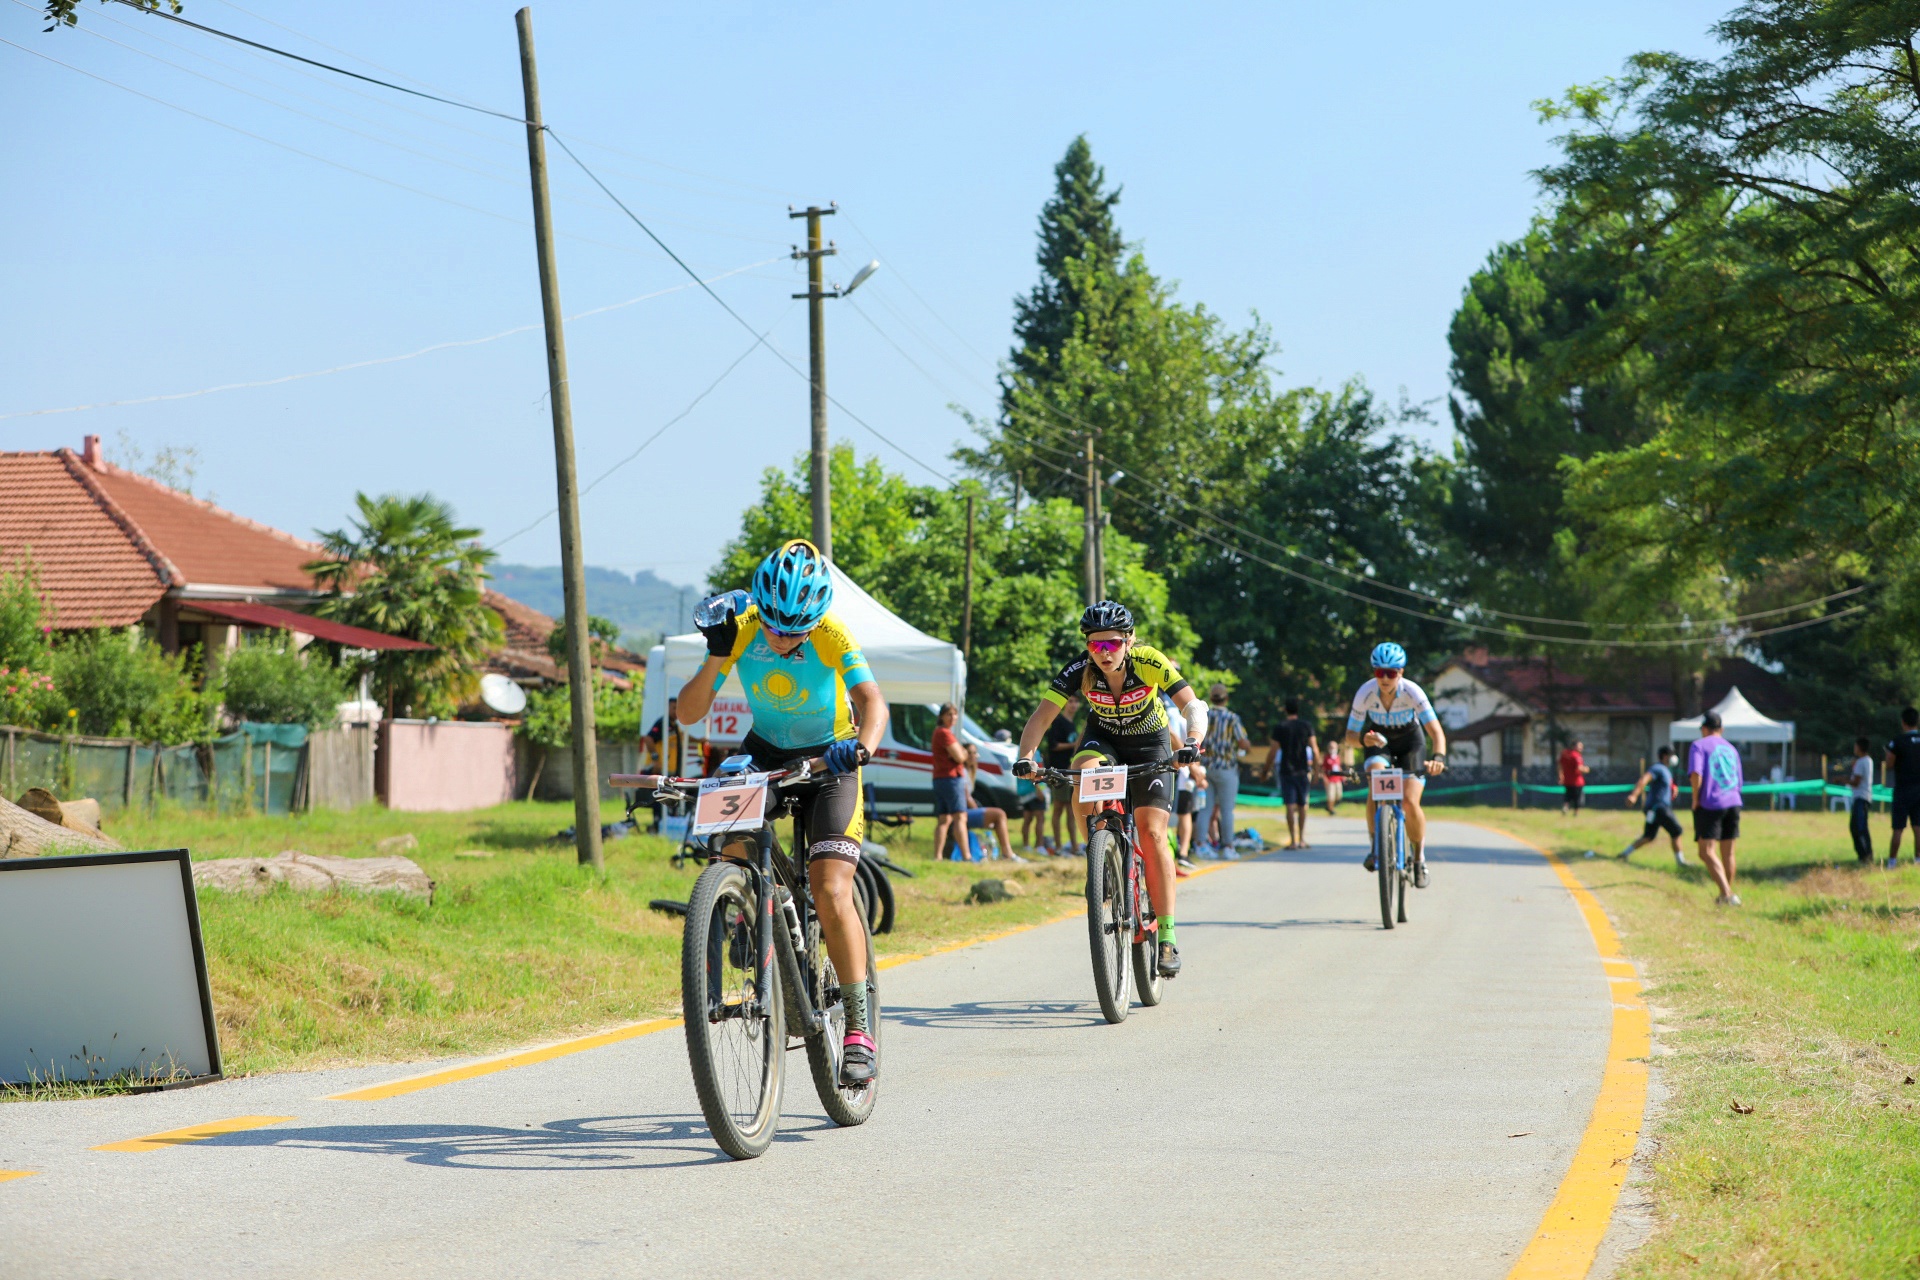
[(524, 656), (96, 569), (1646, 690), (211, 546)]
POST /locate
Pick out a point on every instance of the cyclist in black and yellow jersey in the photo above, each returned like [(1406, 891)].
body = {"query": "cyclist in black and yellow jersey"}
[(1121, 682)]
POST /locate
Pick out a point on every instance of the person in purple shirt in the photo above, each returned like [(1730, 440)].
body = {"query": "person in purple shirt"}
[(1713, 770)]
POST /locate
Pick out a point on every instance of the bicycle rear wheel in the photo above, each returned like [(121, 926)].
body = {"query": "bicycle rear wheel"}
[(844, 1106), (1386, 831), (736, 1050), (1107, 929)]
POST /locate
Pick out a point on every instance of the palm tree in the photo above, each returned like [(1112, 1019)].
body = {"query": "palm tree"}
[(406, 568)]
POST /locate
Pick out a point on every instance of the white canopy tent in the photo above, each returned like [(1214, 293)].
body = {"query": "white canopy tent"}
[(1740, 721), (908, 664)]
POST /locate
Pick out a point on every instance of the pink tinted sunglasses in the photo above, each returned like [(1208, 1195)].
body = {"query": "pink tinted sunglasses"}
[(1381, 673), (1106, 646)]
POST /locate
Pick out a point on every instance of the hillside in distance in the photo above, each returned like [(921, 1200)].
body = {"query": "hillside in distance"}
[(645, 606)]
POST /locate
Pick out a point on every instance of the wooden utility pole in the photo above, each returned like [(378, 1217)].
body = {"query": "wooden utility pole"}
[(819, 479), (573, 574), (1089, 570), (966, 593)]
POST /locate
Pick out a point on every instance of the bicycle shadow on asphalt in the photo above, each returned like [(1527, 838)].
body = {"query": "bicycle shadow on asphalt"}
[(597, 1144), (999, 1015), (1317, 922)]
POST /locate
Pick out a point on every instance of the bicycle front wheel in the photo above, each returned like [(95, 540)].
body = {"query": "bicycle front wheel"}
[(1386, 845), (735, 1046), (1107, 928)]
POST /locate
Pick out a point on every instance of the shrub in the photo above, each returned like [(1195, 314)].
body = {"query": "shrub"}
[(269, 681), (549, 718), (23, 629), (121, 684)]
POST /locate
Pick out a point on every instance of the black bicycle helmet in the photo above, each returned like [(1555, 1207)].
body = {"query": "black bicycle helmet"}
[(1108, 615)]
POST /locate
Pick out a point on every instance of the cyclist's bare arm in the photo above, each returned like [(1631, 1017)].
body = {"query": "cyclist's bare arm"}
[(1037, 724), (1438, 738), (870, 709), (1195, 713), (696, 696)]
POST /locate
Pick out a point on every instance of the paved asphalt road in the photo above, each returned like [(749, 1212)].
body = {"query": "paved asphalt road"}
[(1317, 1097)]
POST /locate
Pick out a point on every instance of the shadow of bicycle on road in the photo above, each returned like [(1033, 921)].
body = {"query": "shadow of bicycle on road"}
[(597, 1144), (999, 1015), (1317, 922)]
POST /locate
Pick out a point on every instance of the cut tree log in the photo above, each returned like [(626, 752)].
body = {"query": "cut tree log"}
[(27, 835), (314, 873)]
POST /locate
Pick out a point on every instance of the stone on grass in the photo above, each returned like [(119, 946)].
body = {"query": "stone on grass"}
[(24, 834), (403, 843), (984, 891), (474, 853), (314, 873)]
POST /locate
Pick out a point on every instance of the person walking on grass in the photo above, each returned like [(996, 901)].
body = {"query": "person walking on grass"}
[(1226, 742), (1903, 769), (1061, 737), (1860, 801), (1573, 777), (1713, 771), (1293, 752), (1654, 793)]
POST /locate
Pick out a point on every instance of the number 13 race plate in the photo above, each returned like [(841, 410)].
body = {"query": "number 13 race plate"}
[(1105, 782), (1387, 784), (730, 804)]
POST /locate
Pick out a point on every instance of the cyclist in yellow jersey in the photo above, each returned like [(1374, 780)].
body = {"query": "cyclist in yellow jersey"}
[(1120, 682), (806, 680)]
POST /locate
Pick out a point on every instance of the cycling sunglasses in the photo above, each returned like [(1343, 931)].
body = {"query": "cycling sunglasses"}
[(1106, 646), (786, 635), (1381, 673)]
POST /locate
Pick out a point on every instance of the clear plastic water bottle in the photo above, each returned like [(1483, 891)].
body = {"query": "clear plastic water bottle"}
[(714, 609)]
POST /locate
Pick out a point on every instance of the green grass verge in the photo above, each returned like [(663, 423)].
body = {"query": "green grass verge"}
[(515, 948), (1804, 1004)]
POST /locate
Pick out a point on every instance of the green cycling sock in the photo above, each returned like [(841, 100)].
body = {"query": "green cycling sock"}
[(853, 996), (1166, 930)]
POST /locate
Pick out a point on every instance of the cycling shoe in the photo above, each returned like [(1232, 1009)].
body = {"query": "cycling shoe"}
[(1420, 874), (859, 1060), (1373, 862), (1169, 960)]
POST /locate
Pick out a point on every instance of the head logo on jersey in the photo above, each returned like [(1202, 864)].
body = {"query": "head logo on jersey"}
[(793, 588)]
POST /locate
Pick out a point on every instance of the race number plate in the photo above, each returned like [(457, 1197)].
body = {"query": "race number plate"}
[(1387, 784), (737, 803), (1103, 782)]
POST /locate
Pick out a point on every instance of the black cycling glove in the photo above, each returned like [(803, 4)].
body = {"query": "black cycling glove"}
[(721, 635), (1186, 755), (1023, 768)]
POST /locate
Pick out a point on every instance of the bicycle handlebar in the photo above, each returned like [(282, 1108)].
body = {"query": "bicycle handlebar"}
[(805, 771), (1046, 773)]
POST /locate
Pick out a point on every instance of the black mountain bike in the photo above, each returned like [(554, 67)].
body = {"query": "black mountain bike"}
[(1121, 927), (754, 970)]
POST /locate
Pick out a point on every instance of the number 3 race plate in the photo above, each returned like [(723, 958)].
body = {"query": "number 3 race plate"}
[(1105, 782), (730, 804), (1387, 784)]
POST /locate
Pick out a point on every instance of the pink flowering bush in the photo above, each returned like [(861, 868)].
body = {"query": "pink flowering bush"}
[(26, 696)]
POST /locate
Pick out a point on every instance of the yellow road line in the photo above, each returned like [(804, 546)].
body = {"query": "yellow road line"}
[(1570, 1232), (8, 1175), (193, 1133)]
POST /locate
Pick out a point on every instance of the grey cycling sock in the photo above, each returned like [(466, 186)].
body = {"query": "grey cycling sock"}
[(853, 996)]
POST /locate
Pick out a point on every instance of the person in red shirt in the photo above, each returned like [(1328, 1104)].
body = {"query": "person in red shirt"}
[(949, 782), (1573, 777)]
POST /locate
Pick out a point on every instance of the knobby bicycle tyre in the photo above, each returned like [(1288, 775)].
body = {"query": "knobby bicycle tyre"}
[(843, 1106), (884, 891), (865, 876), (1146, 950), (1107, 929), (738, 1059), (1385, 844), (1405, 878)]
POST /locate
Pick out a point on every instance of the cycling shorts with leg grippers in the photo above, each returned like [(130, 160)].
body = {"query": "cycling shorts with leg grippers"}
[(1146, 791)]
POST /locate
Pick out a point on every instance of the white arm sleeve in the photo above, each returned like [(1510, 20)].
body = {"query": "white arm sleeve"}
[(1196, 715)]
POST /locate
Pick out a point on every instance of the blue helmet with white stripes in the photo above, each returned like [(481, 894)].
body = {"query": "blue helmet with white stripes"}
[(792, 588), (1389, 654)]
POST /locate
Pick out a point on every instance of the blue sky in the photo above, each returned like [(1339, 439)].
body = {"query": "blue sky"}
[(1341, 169)]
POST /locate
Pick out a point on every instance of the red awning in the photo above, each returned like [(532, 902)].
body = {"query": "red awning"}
[(266, 615)]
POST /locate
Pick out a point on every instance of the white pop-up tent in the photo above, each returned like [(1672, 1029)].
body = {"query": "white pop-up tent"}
[(908, 664), (1740, 721)]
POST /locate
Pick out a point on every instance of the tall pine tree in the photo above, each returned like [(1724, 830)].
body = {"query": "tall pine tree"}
[(1075, 225)]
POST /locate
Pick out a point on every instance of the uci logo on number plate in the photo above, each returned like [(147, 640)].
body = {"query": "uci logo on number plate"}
[(730, 804), (1107, 782), (1387, 784)]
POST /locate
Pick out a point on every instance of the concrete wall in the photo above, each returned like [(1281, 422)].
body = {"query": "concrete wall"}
[(445, 765)]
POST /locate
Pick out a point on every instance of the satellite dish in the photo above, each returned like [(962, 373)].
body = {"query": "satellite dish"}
[(501, 695)]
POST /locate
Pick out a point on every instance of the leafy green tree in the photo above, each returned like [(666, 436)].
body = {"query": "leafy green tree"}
[(407, 568), (67, 12), (602, 633), (23, 627), (121, 684), (269, 681), (616, 714)]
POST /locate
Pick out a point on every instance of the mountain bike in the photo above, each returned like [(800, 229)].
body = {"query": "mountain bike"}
[(1121, 927), (754, 970), (1387, 788)]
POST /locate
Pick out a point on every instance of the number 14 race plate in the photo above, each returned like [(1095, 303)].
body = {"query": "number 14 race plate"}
[(1105, 782), (738, 803), (1387, 784)]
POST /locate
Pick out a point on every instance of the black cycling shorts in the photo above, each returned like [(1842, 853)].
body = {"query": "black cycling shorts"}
[(1406, 752), (829, 821), (1148, 791)]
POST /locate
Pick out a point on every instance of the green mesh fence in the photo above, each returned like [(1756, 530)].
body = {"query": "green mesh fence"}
[(256, 769)]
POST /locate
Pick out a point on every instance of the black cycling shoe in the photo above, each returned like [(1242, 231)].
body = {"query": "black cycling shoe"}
[(1373, 862), (1420, 874), (859, 1064), (1169, 960)]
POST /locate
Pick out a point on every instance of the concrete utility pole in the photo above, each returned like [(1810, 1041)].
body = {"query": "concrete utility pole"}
[(820, 481), (573, 573)]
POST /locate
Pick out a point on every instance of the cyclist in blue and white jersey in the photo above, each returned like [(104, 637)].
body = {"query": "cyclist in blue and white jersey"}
[(1395, 723)]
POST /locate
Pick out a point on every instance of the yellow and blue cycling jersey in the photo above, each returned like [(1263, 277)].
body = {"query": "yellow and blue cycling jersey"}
[(799, 700)]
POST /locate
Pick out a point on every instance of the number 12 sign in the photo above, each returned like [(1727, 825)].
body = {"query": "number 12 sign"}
[(730, 804), (1104, 782), (1387, 784)]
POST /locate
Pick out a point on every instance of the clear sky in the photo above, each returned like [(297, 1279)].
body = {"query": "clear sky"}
[(1341, 169)]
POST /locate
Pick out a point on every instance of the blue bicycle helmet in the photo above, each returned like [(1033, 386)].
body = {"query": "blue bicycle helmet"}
[(792, 587), (1389, 654)]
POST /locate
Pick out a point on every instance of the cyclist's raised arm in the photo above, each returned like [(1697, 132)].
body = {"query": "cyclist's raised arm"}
[(726, 635), (1195, 712)]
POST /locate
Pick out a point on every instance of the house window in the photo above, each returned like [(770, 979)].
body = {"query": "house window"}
[(1512, 745)]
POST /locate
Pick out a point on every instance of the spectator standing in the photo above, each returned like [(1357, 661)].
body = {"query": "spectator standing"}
[(1903, 763), (1293, 750), (1860, 799), (1573, 777), (1184, 800), (1654, 793), (949, 783), (1060, 741), (1033, 814), (670, 760), (1713, 771), (1226, 742), (1333, 771)]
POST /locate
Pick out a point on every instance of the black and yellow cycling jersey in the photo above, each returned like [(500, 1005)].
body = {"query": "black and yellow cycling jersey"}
[(1137, 710)]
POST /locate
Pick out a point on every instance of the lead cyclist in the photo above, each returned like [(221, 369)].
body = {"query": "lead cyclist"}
[(1390, 716)]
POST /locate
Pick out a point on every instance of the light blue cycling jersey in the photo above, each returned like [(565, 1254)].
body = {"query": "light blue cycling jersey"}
[(799, 700), (1408, 710)]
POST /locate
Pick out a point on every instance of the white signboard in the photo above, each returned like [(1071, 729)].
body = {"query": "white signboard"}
[(102, 970), (1104, 782), (728, 720), (1387, 784)]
